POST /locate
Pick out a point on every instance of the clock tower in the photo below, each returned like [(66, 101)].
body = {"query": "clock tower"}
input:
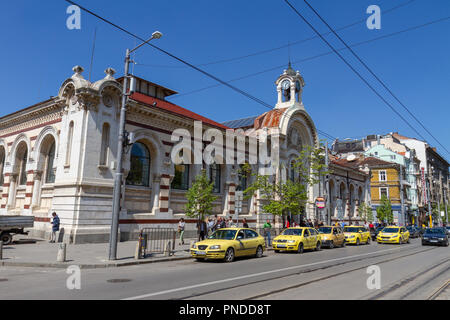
[(289, 87)]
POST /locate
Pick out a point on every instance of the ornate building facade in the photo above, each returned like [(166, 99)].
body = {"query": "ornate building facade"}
[(60, 155)]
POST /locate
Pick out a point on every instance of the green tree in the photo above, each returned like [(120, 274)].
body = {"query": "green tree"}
[(365, 212), (384, 211), (200, 197), (289, 196)]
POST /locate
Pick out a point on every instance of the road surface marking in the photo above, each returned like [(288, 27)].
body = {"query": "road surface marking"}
[(253, 275)]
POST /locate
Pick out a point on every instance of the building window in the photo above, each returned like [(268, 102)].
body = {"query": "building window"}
[(140, 166), (69, 143), (292, 172), (105, 145), (214, 176), (2, 165), (50, 174), (23, 169), (181, 179), (384, 192), (243, 178), (383, 176)]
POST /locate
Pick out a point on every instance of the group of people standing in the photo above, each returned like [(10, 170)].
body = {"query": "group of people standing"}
[(207, 226)]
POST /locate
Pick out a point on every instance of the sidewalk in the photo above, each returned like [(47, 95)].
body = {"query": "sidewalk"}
[(34, 252)]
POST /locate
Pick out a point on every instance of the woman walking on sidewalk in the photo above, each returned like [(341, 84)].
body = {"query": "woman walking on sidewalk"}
[(181, 226)]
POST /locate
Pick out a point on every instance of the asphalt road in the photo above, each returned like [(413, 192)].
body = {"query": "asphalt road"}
[(409, 271)]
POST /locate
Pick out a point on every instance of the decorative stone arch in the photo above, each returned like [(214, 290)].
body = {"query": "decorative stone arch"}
[(21, 138), (43, 143), (297, 117), (156, 149)]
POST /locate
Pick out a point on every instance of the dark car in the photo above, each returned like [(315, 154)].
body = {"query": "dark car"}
[(374, 232), (448, 229), (414, 232), (435, 236)]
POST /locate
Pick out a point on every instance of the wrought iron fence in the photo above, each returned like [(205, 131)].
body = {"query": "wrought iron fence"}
[(155, 240)]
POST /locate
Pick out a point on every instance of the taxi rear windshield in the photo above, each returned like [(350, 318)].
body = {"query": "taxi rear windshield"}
[(391, 230), (292, 232), (223, 234), (324, 230), (352, 229)]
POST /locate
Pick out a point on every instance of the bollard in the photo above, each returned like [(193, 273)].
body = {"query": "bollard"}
[(61, 253), (137, 254), (167, 251), (1, 250)]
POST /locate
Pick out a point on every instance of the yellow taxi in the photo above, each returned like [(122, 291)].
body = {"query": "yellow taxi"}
[(332, 236), (356, 235), (297, 239), (228, 243), (393, 234)]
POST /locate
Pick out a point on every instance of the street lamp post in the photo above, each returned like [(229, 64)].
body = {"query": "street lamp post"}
[(118, 178)]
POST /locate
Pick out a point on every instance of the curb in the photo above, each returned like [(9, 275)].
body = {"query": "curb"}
[(64, 265)]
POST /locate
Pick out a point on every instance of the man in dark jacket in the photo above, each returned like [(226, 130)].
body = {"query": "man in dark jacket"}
[(55, 227), (202, 230)]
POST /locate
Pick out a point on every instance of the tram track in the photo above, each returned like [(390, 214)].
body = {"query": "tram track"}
[(305, 271)]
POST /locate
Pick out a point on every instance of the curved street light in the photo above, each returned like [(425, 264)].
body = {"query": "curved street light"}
[(118, 178)]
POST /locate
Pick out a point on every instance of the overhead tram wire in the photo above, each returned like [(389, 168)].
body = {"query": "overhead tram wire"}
[(353, 69), (257, 100), (373, 74), (308, 58), (292, 43)]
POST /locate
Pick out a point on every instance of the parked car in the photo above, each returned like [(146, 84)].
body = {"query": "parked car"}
[(435, 236), (374, 232), (393, 234), (297, 239), (356, 235), (414, 232), (332, 236), (448, 229), (228, 243), (10, 225)]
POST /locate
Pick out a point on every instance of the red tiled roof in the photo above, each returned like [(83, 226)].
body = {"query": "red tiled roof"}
[(269, 119), (173, 108)]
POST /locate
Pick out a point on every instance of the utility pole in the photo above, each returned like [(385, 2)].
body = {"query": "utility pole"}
[(445, 207), (327, 192), (402, 198), (118, 177), (429, 200)]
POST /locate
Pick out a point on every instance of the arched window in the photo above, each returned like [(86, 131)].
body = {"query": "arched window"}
[(2, 164), (214, 176), (105, 145), (140, 166), (292, 171), (69, 143), (181, 179), (23, 169), (243, 178), (50, 173)]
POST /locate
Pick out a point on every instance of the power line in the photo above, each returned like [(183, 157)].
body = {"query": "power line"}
[(308, 58), (353, 69), (253, 54), (181, 60), (373, 74)]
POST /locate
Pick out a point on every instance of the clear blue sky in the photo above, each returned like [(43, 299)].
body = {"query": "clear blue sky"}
[(38, 52)]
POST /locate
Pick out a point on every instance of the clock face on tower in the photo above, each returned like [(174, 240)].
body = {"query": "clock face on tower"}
[(286, 85)]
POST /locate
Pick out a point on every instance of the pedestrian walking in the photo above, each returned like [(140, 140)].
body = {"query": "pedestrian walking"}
[(202, 229), (267, 227), (244, 223), (55, 227), (210, 226), (230, 222), (181, 226)]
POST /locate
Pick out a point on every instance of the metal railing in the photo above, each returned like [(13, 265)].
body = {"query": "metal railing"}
[(156, 240)]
